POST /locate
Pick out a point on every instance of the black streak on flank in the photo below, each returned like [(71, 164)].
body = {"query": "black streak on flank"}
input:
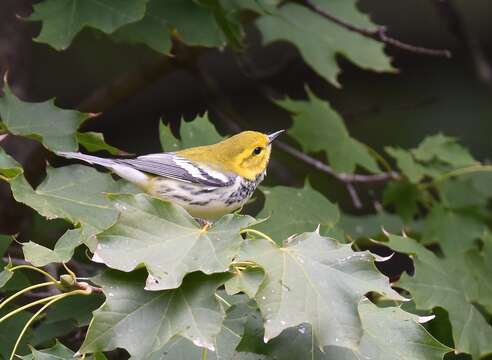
[(186, 187), (180, 197), (200, 203)]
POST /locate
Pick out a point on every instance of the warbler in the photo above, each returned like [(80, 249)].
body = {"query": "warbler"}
[(208, 181)]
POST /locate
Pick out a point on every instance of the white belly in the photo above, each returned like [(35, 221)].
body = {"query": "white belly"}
[(200, 201)]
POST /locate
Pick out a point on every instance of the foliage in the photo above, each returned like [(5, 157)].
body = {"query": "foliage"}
[(295, 277)]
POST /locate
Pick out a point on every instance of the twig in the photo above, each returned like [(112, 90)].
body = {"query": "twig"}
[(347, 179), (343, 177), (88, 287), (354, 196), (379, 34), (457, 172)]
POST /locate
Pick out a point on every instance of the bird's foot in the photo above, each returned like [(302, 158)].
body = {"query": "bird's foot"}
[(205, 224)]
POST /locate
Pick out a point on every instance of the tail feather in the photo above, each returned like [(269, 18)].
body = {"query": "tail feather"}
[(126, 171), (87, 158)]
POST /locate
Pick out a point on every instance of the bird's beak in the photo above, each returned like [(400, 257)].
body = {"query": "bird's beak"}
[(274, 135)]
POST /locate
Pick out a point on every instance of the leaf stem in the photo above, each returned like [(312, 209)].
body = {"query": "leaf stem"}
[(27, 306), (223, 300), (380, 159), (204, 353), (32, 287), (45, 273), (457, 172), (259, 233), (37, 313), (69, 271)]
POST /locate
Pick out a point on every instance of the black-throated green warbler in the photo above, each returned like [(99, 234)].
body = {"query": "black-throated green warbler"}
[(208, 181)]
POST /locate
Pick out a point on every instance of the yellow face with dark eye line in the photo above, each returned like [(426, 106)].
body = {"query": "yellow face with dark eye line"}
[(245, 154), (254, 160)]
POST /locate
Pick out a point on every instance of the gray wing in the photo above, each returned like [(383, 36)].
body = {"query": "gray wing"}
[(176, 167)]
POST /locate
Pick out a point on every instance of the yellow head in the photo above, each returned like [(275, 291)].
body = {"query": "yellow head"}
[(246, 154)]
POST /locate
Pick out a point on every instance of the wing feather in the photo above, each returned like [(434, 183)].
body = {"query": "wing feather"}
[(175, 167)]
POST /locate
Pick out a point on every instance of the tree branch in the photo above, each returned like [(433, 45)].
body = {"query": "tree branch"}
[(342, 177), (379, 34)]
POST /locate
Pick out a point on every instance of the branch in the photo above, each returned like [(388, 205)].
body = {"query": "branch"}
[(342, 177), (230, 113), (354, 195), (379, 34), (88, 287)]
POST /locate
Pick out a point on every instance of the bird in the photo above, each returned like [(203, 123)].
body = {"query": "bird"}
[(208, 181)]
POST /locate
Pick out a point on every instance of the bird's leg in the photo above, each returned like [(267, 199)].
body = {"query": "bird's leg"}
[(204, 223)]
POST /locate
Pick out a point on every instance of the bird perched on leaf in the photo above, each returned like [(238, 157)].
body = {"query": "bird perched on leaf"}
[(208, 181)]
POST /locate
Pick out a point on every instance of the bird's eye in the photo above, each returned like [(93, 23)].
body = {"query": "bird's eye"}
[(257, 151)]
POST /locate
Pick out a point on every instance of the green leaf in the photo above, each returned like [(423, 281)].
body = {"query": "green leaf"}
[(75, 308), (451, 284), (318, 127), (193, 23), (464, 192), (293, 211), (100, 356), (454, 231), (409, 166), (63, 19), (167, 240), (39, 255), (94, 141), (481, 182), (369, 225), (9, 331), (261, 7), (198, 132), (5, 275), (445, 149), (5, 241), (319, 40), (8, 280), (404, 197), (247, 281), (225, 343), (56, 352), (229, 22), (46, 331), (479, 267), (9, 168), (54, 127), (152, 30), (391, 333), (144, 321), (434, 156), (315, 280), (388, 333), (75, 193)]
